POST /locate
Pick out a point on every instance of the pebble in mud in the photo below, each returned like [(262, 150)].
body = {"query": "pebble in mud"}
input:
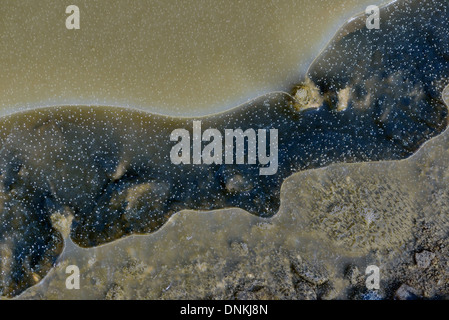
[(424, 259), (405, 292), (111, 166), (237, 183)]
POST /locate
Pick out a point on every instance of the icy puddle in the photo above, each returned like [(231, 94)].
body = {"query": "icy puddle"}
[(292, 217), (330, 218)]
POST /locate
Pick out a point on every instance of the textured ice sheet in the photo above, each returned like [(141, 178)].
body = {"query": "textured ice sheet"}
[(344, 214), (109, 170)]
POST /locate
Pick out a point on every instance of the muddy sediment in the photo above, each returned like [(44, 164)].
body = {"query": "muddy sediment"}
[(399, 223)]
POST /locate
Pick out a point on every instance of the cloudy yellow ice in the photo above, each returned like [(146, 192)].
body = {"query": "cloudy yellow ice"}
[(169, 57)]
